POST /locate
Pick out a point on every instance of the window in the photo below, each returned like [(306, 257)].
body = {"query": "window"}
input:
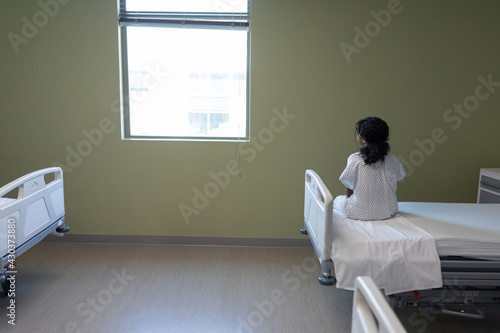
[(185, 69)]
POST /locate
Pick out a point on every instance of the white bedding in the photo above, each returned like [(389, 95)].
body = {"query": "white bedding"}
[(467, 230), (3, 201), (395, 253)]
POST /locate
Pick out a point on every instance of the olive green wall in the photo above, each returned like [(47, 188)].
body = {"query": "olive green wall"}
[(316, 68)]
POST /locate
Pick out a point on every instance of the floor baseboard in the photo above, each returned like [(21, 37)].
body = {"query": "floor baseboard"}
[(180, 240)]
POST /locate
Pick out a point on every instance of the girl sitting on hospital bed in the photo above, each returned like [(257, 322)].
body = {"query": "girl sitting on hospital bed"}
[(371, 175)]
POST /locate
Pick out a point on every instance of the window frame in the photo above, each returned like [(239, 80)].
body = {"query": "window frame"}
[(193, 20)]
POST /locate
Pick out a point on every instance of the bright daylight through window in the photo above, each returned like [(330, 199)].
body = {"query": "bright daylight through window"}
[(185, 69)]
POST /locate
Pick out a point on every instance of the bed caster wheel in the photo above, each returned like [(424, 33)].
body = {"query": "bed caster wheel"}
[(303, 231), (327, 280), (6, 285), (63, 229)]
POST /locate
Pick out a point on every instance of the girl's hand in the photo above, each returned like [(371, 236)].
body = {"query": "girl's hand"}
[(348, 192)]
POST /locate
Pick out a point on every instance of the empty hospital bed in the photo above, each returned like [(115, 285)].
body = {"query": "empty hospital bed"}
[(31, 207), (437, 255)]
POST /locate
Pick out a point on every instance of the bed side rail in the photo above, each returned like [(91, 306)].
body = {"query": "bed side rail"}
[(39, 202), (32, 182), (318, 212), (371, 312)]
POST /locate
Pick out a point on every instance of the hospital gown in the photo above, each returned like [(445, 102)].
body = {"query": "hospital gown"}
[(374, 188)]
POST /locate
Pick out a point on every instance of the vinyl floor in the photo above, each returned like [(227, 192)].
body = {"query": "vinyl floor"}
[(83, 288)]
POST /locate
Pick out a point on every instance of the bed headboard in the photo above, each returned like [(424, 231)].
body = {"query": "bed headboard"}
[(39, 203), (318, 212)]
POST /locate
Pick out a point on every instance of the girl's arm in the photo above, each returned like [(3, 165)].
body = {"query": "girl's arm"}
[(349, 176)]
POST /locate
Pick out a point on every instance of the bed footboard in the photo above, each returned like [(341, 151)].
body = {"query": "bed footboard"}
[(318, 212), (37, 211)]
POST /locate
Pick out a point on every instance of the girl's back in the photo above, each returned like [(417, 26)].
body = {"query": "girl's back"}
[(374, 187)]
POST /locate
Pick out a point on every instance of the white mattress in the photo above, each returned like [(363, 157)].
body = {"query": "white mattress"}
[(5, 200), (459, 229)]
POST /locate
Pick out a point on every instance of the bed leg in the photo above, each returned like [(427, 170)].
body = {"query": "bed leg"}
[(327, 279), (63, 229), (304, 231)]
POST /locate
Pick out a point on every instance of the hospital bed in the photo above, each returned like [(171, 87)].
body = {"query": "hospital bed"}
[(434, 255), (31, 207)]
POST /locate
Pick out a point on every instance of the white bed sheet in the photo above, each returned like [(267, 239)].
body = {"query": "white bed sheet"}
[(459, 229), (395, 253), (3, 201)]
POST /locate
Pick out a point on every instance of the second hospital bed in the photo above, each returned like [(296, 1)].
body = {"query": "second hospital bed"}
[(31, 207), (459, 242)]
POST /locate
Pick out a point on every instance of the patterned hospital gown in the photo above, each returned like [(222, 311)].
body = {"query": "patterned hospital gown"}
[(374, 187)]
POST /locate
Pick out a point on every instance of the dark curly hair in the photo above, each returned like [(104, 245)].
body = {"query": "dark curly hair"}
[(376, 134)]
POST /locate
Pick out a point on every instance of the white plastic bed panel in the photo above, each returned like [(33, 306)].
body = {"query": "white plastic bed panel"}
[(318, 210), (370, 311), (37, 215), (37, 206), (4, 229)]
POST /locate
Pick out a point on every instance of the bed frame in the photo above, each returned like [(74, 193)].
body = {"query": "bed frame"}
[(467, 283), (35, 212)]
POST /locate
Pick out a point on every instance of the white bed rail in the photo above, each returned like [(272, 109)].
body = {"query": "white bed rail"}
[(318, 211), (39, 203), (371, 313)]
